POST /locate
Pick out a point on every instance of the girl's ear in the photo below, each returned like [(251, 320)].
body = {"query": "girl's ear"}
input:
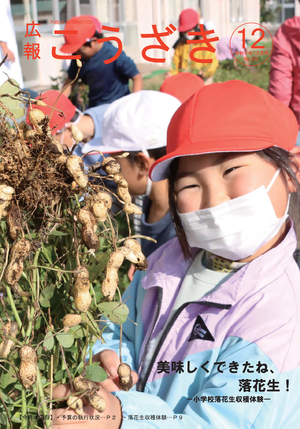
[(296, 160)]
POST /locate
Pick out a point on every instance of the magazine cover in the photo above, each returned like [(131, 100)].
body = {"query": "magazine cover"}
[(149, 214)]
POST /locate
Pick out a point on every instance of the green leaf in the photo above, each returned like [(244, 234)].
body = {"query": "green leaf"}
[(72, 349), (77, 331), (42, 363), (117, 312), (18, 386), (66, 339), (60, 375), (95, 373), (48, 252), (46, 295), (97, 265), (12, 105), (58, 233), (6, 379), (49, 341), (3, 419), (6, 398)]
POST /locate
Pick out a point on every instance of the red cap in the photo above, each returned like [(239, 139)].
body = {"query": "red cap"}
[(97, 23), (182, 85), (63, 104), (232, 116), (85, 26), (188, 19)]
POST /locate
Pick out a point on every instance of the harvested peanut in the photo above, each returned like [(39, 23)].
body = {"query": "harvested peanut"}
[(135, 246), (90, 239), (41, 103), (92, 397), (6, 193), (76, 133), (14, 221), (20, 251), (27, 370), (35, 117), (132, 209), (10, 329), (76, 404), (76, 169), (71, 320), (111, 281), (82, 297), (125, 378), (111, 166)]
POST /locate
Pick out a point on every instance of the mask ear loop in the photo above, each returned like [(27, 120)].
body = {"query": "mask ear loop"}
[(273, 179), (289, 197)]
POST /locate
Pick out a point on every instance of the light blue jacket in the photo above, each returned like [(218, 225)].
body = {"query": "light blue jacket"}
[(252, 317)]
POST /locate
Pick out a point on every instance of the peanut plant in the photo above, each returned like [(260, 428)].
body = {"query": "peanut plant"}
[(60, 252)]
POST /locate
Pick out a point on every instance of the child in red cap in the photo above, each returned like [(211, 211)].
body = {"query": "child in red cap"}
[(107, 82), (189, 23), (215, 343)]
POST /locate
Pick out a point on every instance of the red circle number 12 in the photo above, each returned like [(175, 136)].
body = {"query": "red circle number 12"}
[(243, 31)]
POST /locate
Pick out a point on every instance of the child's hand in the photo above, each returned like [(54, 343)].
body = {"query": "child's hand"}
[(109, 360), (110, 419)]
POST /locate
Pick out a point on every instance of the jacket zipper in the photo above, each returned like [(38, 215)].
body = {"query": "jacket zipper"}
[(159, 301), (142, 382)]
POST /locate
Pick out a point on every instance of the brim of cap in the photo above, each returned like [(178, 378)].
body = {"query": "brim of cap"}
[(96, 145), (184, 28), (70, 49), (160, 170)]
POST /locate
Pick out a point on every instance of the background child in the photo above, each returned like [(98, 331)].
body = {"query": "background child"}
[(89, 122), (285, 66), (138, 124), (107, 82), (182, 85), (216, 339), (189, 22)]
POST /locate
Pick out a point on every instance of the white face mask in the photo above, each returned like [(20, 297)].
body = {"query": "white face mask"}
[(188, 37), (237, 228), (149, 187)]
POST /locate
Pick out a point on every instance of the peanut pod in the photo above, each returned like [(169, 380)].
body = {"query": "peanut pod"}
[(111, 280), (132, 209), (6, 193), (92, 397), (111, 166), (10, 329), (82, 297), (76, 169), (19, 253), (103, 202), (76, 133), (27, 370), (13, 221), (76, 404), (122, 189), (135, 246), (71, 320), (88, 235), (125, 378)]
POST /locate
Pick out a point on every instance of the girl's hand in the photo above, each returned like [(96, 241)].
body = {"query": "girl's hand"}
[(109, 361), (111, 418)]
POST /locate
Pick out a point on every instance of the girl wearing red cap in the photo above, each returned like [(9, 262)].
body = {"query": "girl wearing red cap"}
[(189, 22), (215, 343)]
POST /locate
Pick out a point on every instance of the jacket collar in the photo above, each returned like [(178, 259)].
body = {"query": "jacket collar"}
[(167, 268)]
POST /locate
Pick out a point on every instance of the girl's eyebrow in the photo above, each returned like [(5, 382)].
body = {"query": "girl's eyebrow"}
[(184, 174), (218, 161)]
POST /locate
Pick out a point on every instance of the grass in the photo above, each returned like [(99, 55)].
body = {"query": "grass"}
[(255, 75)]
